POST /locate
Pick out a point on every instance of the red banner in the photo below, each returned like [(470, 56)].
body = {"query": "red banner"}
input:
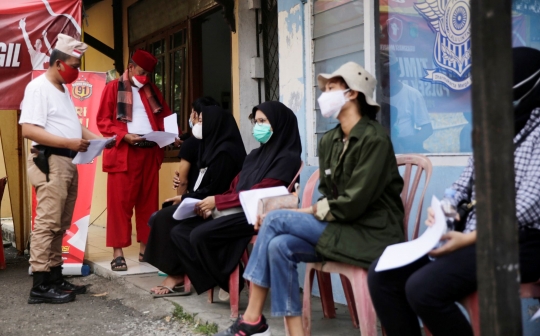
[(28, 34), (86, 94)]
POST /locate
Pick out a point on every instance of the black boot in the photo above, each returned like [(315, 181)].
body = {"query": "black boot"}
[(57, 279), (43, 292)]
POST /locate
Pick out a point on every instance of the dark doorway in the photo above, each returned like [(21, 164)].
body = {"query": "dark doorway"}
[(211, 58)]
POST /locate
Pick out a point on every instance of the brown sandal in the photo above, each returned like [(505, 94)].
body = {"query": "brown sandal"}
[(119, 264)]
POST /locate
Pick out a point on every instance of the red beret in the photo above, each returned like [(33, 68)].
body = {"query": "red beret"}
[(144, 59)]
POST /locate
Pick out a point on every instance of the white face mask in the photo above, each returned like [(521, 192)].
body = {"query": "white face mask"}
[(197, 130), (332, 102)]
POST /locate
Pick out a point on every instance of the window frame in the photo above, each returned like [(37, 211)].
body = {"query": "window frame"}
[(372, 64)]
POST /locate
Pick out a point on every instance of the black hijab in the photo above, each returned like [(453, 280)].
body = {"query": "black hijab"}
[(279, 158), (526, 86), (220, 134)]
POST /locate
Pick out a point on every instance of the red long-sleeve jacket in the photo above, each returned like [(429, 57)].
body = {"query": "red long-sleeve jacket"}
[(115, 159)]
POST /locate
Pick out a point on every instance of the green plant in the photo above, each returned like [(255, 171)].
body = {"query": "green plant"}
[(206, 328)]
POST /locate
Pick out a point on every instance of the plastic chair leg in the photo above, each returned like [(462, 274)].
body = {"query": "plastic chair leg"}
[(211, 295), (366, 312), (349, 296), (234, 291), (327, 298), (187, 284), (306, 304)]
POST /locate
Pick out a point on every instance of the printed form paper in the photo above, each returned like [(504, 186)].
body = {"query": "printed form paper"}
[(536, 316), (94, 149), (186, 209), (399, 255), (169, 136), (250, 200)]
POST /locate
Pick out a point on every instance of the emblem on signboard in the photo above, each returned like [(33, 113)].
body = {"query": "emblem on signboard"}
[(395, 28), (451, 20), (81, 89)]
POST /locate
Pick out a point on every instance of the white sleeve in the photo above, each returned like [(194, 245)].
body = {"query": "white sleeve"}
[(34, 107), (421, 115)]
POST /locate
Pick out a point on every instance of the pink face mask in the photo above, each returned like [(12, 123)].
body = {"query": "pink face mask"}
[(140, 81)]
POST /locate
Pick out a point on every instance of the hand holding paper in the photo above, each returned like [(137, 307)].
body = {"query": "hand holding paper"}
[(399, 255), (169, 136), (186, 209), (94, 149)]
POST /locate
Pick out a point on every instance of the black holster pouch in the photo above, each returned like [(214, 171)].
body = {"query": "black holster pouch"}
[(42, 159)]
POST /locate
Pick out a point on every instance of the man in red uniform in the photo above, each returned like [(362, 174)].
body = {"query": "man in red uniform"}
[(130, 107)]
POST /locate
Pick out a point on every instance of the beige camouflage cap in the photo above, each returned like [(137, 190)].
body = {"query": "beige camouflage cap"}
[(356, 77), (70, 46)]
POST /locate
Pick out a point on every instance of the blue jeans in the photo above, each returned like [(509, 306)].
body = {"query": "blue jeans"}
[(285, 239)]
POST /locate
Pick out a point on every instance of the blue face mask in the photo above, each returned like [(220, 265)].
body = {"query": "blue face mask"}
[(262, 132), (190, 123)]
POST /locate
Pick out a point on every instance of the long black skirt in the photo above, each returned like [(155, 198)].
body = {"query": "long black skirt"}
[(160, 250), (210, 250)]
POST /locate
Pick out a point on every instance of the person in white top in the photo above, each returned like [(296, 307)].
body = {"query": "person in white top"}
[(49, 119)]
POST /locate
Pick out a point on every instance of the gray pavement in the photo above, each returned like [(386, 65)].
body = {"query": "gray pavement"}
[(123, 306)]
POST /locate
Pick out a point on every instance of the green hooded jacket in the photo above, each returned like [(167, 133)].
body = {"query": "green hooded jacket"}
[(361, 187)]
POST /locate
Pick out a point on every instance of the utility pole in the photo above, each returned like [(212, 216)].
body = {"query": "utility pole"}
[(497, 243)]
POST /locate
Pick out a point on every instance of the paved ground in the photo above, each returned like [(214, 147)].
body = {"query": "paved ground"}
[(122, 306), (113, 307)]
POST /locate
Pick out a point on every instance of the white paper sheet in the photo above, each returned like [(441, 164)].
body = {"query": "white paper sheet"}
[(161, 138), (171, 124), (94, 149), (78, 240), (399, 255), (186, 209), (536, 315), (250, 200), (165, 138)]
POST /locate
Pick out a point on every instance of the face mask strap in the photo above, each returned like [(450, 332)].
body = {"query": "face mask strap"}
[(531, 90), (526, 80)]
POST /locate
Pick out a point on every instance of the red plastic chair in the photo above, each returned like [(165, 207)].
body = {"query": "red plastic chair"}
[(3, 182), (234, 279), (354, 279), (470, 303)]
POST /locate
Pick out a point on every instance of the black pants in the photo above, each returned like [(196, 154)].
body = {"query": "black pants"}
[(429, 289)]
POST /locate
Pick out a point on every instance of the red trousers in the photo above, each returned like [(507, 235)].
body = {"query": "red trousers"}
[(138, 188)]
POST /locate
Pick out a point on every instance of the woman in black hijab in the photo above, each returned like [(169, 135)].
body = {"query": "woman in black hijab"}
[(221, 156), (210, 249)]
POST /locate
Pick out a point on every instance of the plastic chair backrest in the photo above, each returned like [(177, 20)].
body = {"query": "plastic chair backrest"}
[(295, 179), (310, 189), (3, 182), (423, 164)]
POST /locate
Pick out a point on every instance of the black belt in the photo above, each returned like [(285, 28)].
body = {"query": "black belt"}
[(57, 151)]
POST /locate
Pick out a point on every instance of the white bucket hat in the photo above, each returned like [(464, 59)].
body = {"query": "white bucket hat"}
[(356, 77)]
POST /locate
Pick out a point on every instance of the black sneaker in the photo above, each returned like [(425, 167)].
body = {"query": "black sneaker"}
[(240, 328)]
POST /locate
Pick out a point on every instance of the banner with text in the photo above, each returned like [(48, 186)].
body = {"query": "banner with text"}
[(29, 32)]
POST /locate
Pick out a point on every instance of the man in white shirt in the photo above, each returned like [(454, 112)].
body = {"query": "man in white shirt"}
[(49, 119), (131, 107)]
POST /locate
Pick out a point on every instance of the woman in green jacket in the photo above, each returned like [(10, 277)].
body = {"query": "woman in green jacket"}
[(359, 214)]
